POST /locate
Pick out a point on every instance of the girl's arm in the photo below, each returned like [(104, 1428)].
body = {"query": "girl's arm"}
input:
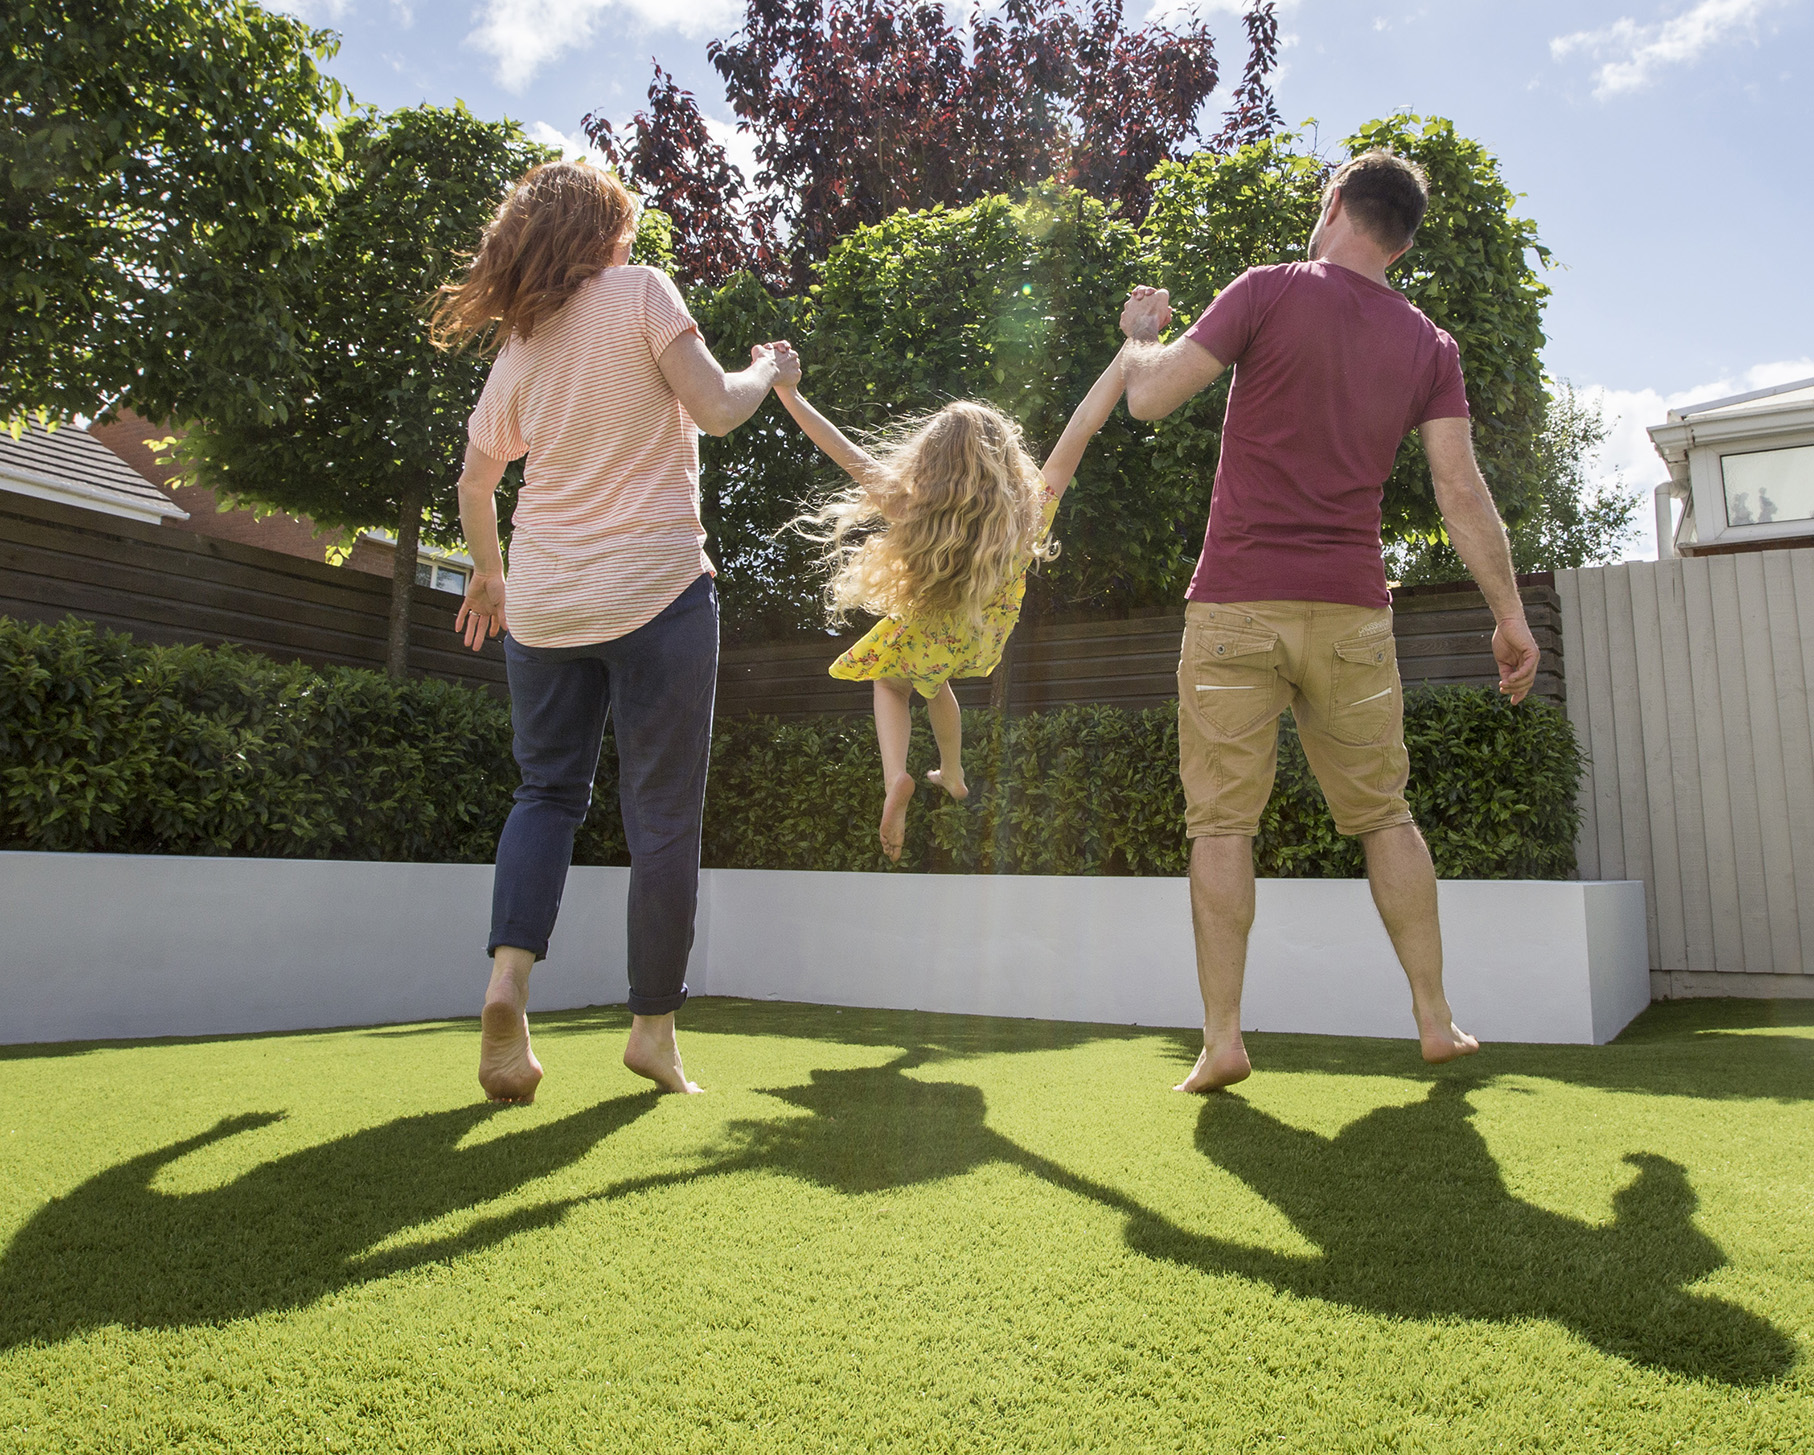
[(850, 458), (1089, 417)]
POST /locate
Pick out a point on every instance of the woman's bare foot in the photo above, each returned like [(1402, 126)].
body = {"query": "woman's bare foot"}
[(508, 1070), (1446, 1041), (894, 816), (1222, 1062), (951, 780), (653, 1052)]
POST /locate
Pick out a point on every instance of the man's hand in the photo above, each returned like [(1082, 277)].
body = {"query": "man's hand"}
[(788, 369), (1515, 650), (1146, 314), (482, 612)]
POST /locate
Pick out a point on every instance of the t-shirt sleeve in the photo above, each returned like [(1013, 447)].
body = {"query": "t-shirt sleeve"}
[(1448, 391), (664, 312), (493, 426), (1227, 325)]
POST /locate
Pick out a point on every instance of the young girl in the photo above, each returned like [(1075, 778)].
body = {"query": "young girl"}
[(963, 513)]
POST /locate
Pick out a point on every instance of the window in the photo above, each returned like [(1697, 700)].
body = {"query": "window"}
[(1763, 486), (441, 578)]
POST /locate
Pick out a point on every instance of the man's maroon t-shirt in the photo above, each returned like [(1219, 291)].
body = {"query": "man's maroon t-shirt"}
[(1332, 371)]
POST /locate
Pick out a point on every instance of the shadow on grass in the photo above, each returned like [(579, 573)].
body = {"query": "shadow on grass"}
[(1406, 1206), (285, 1233)]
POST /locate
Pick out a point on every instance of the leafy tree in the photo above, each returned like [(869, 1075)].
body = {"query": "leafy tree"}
[(861, 108), (1016, 302), (161, 163), (1573, 519), (375, 420), (1470, 270)]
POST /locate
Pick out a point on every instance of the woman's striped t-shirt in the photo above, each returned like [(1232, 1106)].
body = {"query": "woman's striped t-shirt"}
[(606, 531)]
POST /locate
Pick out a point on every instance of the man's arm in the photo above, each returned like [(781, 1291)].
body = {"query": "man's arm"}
[(718, 402), (1478, 535), (1160, 377)]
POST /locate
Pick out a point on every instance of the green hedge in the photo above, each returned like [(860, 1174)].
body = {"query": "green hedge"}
[(112, 746)]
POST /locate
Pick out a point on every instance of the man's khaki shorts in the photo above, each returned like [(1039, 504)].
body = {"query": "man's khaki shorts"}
[(1335, 667)]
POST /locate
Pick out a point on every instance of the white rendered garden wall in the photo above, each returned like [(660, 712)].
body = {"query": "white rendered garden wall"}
[(100, 946)]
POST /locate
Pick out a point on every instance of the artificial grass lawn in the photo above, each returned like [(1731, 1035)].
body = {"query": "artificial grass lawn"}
[(895, 1231)]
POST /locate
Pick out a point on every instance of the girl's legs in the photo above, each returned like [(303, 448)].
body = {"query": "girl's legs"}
[(894, 729), (948, 729)]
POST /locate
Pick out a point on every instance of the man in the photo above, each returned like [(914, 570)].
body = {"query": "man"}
[(1289, 607)]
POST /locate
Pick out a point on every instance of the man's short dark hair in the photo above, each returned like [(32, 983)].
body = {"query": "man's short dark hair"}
[(1386, 194)]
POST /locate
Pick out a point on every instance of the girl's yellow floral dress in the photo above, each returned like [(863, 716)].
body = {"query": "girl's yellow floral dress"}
[(929, 653)]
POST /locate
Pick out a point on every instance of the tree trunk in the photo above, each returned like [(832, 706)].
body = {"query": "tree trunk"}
[(403, 578)]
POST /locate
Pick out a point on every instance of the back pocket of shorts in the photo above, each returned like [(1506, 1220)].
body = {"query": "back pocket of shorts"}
[(1233, 677), (1364, 689)]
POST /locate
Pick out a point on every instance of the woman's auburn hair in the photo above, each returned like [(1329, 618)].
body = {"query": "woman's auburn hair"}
[(555, 228), (951, 513)]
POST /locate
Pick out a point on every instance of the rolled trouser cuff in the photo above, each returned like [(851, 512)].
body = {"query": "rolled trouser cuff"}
[(657, 1004), (508, 938)]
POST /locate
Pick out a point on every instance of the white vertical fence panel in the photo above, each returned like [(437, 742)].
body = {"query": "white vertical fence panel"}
[(1691, 687), (1666, 906), (1628, 733), (1587, 846)]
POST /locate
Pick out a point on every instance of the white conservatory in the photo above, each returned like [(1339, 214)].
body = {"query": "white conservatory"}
[(1743, 468)]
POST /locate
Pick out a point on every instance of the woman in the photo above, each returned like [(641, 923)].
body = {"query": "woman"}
[(601, 383)]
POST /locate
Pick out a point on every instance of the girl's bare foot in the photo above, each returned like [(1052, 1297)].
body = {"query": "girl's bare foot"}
[(951, 780), (1222, 1062), (508, 1070), (653, 1052), (894, 816), (1446, 1042)]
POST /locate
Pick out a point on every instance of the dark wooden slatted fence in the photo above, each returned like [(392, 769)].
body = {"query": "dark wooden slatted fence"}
[(170, 586), (1444, 636)]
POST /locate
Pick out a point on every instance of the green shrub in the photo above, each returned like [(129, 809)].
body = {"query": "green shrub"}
[(111, 746)]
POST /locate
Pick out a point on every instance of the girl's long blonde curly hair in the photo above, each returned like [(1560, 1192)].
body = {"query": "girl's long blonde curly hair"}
[(950, 514)]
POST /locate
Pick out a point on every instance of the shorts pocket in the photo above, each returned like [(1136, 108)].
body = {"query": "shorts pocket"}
[(1364, 690), (1232, 673)]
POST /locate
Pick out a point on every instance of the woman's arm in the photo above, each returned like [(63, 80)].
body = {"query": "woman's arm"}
[(1089, 417), (482, 612), (717, 402)]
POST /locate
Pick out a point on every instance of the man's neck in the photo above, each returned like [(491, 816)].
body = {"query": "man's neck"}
[(1358, 258)]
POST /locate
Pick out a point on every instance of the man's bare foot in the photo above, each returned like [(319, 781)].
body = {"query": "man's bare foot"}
[(951, 780), (1217, 1066), (894, 816), (653, 1052), (1446, 1042), (508, 1070)]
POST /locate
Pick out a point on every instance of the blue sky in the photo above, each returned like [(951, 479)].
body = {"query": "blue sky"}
[(1660, 147)]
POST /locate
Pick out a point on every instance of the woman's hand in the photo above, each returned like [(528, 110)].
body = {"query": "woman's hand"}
[(482, 612), (788, 368)]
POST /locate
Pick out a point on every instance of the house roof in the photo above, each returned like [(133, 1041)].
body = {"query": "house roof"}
[(1796, 394), (71, 466)]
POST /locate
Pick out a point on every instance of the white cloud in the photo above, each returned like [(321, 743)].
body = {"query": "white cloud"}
[(574, 146), (523, 36), (1637, 53), (1628, 451)]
